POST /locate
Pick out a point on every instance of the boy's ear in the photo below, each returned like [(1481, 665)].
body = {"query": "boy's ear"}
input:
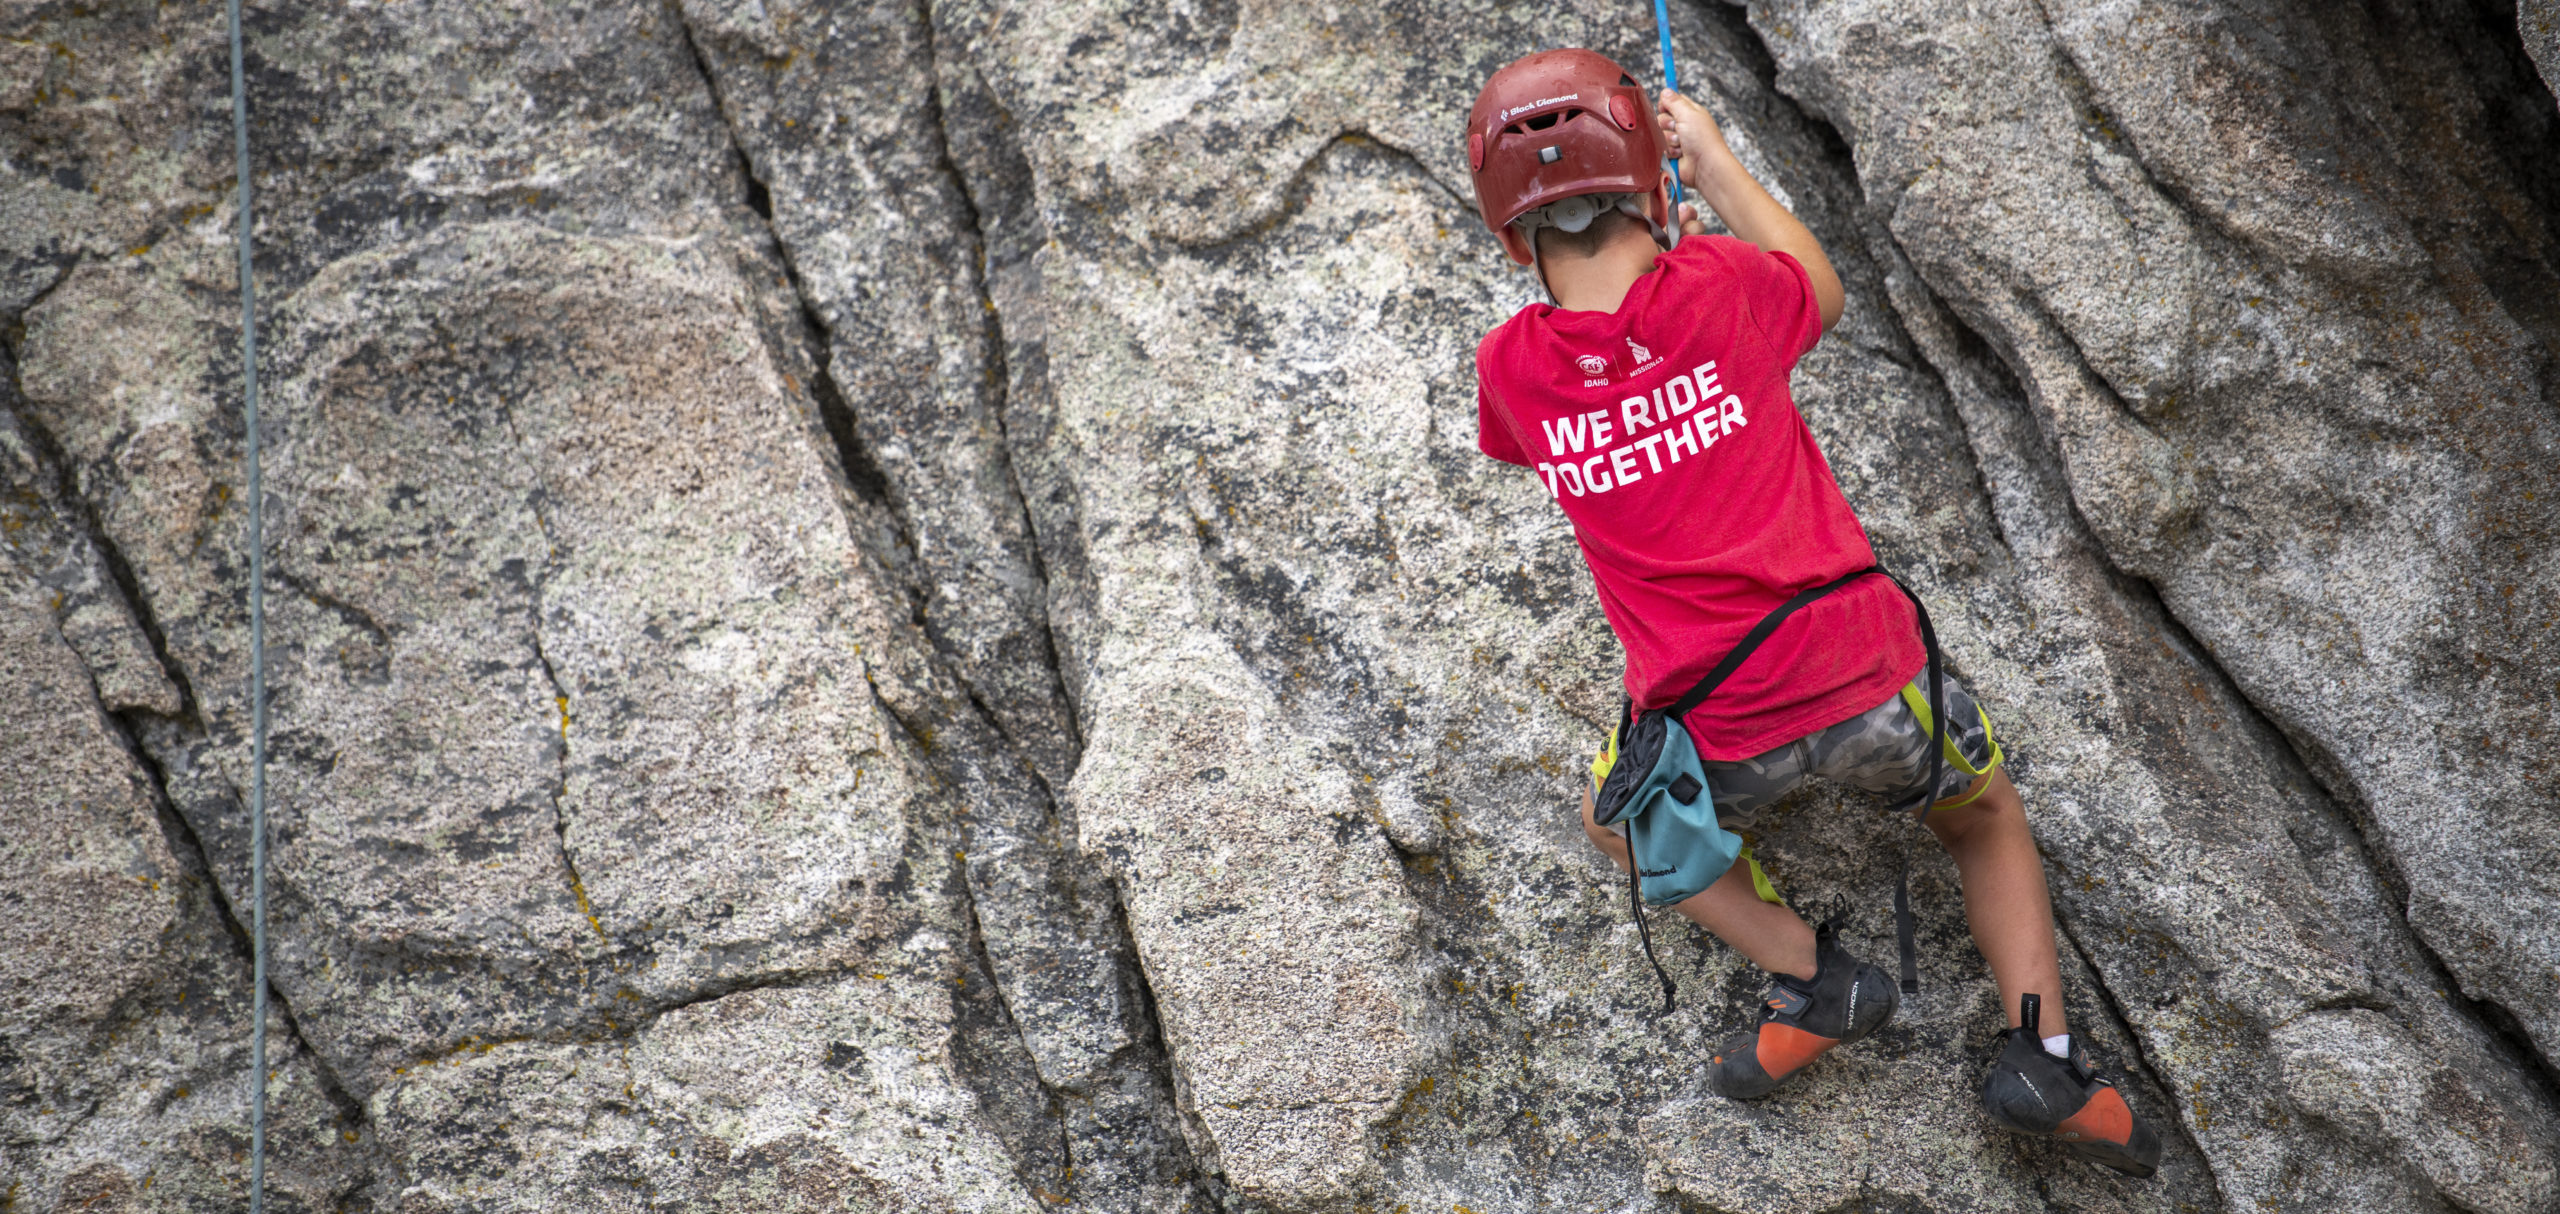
[(1516, 244)]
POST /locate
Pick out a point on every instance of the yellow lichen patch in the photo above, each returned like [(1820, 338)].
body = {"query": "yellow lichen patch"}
[(579, 890)]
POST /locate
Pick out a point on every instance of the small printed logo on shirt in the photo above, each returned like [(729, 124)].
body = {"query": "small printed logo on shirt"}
[(1642, 355), (1593, 364)]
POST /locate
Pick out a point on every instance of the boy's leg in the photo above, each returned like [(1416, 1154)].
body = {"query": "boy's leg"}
[(1821, 995), (2005, 901), (1773, 937), (2028, 1090), (1770, 935)]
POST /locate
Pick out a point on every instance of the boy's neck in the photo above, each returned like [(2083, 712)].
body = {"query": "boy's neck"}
[(1599, 283)]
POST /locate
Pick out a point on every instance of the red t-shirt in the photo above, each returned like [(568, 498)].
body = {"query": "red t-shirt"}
[(1666, 432)]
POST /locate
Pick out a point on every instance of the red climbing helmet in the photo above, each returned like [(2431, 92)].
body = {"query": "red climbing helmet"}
[(1557, 124)]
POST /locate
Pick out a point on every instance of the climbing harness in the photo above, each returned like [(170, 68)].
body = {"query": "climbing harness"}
[(1905, 932), (257, 655), (1919, 706), (1650, 778)]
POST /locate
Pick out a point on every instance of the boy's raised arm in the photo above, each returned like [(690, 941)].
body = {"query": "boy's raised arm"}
[(1707, 166)]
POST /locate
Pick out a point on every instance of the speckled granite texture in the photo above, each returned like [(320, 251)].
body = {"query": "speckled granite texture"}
[(891, 607)]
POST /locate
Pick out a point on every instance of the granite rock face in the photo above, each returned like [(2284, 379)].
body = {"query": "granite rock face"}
[(892, 607)]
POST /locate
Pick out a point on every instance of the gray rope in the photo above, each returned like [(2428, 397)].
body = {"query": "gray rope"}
[(257, 657)]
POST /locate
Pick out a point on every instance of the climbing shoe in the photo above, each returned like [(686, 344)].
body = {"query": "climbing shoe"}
[(2029, 1091), (1845, 1000)]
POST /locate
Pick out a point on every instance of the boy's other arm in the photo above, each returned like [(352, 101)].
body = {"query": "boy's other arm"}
[(1707, 166)]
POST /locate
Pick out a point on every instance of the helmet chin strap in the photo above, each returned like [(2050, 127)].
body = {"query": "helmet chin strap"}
[(1577, 218), (1538, 270), (1668, 238)]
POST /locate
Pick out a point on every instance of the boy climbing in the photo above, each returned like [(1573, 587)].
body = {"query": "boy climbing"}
[(1652, 401)]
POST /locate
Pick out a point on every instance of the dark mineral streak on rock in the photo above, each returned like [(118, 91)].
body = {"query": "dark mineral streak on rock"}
[(837, 105), (1046, 922)]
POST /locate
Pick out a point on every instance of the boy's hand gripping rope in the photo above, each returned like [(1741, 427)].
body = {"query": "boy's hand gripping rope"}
[(257, 655)]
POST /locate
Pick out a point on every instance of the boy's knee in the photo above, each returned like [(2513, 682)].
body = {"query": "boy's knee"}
[(1607, 840)]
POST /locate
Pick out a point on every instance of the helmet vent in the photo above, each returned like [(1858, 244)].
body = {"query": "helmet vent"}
[(1550, 118)]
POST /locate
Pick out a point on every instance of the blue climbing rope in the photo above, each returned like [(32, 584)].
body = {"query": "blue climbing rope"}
[(1671, 81), (257, 657)]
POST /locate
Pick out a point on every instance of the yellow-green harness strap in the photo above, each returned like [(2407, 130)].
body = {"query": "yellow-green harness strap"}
[(1919, 705), (1760, 880), (1602, 762)]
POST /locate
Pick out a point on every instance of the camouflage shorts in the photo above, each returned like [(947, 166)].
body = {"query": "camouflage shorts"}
[(1882, 750)]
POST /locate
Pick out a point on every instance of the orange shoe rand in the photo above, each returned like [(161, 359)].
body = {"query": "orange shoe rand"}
[(1799, 1019), (2029, 1091)]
